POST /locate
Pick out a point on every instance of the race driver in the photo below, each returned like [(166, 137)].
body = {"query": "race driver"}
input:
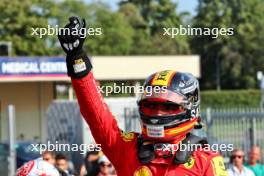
[(167, 118)]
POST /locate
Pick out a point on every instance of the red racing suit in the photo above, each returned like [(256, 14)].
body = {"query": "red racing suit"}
[(121, 147)]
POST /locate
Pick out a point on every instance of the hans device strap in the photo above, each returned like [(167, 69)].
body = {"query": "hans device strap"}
[(146, 151), (182, 156)]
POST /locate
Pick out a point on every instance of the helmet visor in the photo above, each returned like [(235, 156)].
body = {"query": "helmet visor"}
[(164, 96), (154, 109)]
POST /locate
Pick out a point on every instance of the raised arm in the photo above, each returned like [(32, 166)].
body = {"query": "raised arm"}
[(93, 108), (96, 113)]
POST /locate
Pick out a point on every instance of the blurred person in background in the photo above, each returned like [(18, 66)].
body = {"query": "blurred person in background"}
[(237, 161), (90, 166), (37, 167), (63, 165), (49, 156), (169, 110), (105, 166), (254, 156)]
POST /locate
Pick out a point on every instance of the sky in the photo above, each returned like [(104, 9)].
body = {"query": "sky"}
[(187, 5), (183, 5)]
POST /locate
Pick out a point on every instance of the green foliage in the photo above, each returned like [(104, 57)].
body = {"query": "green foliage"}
[(116, 38), (157, 13), (230, 98), (133, 30), (148, 19), (238, 57), (16, 20), (117, 33), (142, 39)]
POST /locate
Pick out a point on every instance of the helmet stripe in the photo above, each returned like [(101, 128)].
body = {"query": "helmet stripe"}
[(179, 130)]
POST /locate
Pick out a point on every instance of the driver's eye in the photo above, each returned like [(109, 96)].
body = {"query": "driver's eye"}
[(152, 106), (173, 107), (144, 105), (169, 107)]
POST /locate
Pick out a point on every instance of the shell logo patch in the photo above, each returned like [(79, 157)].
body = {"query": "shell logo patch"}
[(143, 171), (127, 137), (189, 164), (219, 167)]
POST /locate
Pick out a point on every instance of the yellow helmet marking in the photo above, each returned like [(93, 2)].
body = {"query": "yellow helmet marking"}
[(162, 78)]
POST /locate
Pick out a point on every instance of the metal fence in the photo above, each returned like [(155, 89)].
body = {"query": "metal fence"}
[(242, 127), (64, 126)]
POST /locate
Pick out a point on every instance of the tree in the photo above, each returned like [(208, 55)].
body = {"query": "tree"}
[(16, 21), (117, 33), (151, 16), (237, 57), (115, 36), (142, 39), (157, 13)]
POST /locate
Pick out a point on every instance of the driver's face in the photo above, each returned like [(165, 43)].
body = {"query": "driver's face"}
[(155, 108)]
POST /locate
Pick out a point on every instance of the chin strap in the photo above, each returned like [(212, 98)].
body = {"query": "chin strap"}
[(147, 150)]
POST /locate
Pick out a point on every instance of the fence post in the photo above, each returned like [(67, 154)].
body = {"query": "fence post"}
[(70, 93), (209, 123), (127, 115), (252, 131), (12, 140)]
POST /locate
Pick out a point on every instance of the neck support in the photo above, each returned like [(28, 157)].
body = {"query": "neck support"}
[(146, 149)]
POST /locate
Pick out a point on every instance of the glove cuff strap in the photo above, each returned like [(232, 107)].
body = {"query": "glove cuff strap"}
[(78, 64)]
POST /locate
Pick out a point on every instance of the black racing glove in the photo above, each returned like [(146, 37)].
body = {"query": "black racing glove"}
[(71, 38)]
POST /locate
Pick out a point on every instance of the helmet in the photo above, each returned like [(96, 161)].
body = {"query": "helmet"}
[(169, 106), (37, 167)]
